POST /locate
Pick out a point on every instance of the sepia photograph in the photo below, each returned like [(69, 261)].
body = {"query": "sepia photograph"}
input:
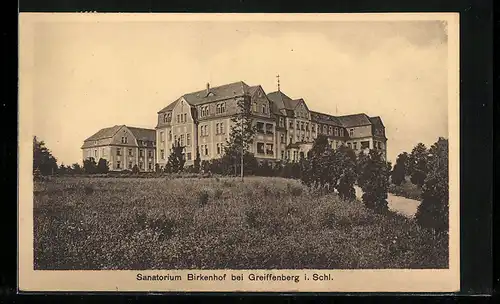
[(239, 152)]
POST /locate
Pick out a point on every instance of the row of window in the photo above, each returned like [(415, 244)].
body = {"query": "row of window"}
[(131, 153), (131, 165), (182, 118), (220, 108), (180, 140), (263, 108), (269, 128), (265, 149), (219, 129)]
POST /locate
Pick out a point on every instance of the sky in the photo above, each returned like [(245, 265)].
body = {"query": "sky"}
[(91, 75)]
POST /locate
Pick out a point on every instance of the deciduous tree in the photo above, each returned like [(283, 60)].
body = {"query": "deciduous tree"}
[(399, 172), (375, 177)]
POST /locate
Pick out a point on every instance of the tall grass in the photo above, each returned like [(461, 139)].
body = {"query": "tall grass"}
[(223, 223)]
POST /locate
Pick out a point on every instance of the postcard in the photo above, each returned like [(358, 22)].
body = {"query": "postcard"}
[(239, 152)]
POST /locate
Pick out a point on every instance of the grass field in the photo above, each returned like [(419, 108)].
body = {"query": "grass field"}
[(212, 223)]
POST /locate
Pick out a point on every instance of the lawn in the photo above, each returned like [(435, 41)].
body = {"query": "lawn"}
[(218, 223)]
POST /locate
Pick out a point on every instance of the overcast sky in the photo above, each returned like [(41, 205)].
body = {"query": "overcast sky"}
[(94, 75)]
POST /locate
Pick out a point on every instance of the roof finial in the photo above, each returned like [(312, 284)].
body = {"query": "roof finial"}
[(278, 77)]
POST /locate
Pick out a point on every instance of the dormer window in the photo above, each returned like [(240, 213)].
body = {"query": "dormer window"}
[(124, 140)]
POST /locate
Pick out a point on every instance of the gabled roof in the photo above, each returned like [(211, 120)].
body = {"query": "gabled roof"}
[(222, 92), (105, 133), (376, 120), (282, 101), (170, 107), (325, 118), (354, 120), (139, 133), (143, 134)]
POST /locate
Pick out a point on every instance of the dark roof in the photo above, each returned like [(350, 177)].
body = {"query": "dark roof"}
[(354, 120), (226, 91), (325, 118), (139, 133), (282, 101), (376, 120), (105, 133), (170, 107), (222, 92), (143, 134)]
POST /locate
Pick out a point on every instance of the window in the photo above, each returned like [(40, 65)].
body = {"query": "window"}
[(223, 107), (355, 145), (260, 127), (150, 166), (341, 132), (178, 118), (175, 139), (365, 145), (150, 154), (218, 149), (185, 117), (162, 153), (291, 125), (182, 140), (269, 149), (264, 109), (351, 132), (313, 127), (206, 150), (291, 138), (282, 138), (255, 107), (336, 131), (165, 118), (188, 139), (141, 153), (162, 139), (118, 151), (282, 154), (298, 125), (169, 135), (95, 153), (281, 122), (302, 127), (141, 165), (129, 152), (189, 156), (269, 128), (221, 128), (349, 145), (330, 130), (307, 126), (298, 136), (124, 140), (324, 129), (260, 148), (217, 128)]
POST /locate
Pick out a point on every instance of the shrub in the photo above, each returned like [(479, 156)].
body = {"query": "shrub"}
[(375, 177), (433, 211), (399, 173)]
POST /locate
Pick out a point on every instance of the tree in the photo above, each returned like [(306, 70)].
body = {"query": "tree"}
[(375, 177), (135, 169), (399, 172), (62, 169), (76, 168), (197, 161), (418, 164), (344, 172), (89, 165), (44, 162), (434, 209), (176, 158), (242, 133), (102, 166)]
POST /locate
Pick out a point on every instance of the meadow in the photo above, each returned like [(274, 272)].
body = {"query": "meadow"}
[(83, 223)]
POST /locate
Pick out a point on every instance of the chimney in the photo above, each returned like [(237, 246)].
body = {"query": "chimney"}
[(208, 88)]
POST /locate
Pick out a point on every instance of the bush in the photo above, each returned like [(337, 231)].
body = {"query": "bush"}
[(375, 181), (433, 211), (203, 197)]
